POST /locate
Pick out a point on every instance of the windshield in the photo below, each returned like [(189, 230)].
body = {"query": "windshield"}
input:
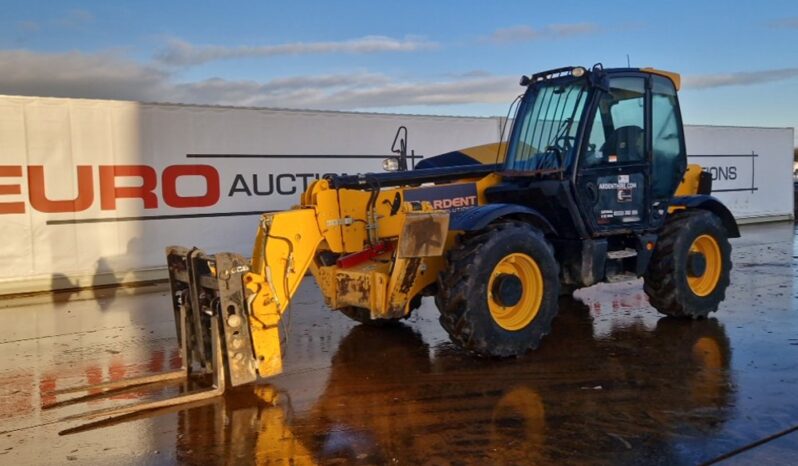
[(545, 128)]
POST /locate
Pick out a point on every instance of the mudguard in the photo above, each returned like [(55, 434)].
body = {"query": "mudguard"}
[(713, 205), (477, 218)]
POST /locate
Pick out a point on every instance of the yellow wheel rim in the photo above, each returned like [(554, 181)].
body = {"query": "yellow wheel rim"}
[(705, 283), (518, 314)]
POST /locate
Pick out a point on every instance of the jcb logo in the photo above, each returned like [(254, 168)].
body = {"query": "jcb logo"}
[(145, 188)]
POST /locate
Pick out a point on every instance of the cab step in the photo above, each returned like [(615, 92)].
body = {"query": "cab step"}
[(621, 254)]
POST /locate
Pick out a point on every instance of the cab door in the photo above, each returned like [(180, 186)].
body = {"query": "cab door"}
[(669, 155), (613, 170)]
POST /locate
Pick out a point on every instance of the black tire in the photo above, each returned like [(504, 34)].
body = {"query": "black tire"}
[(567, 290), (463, 290), (666, 280)]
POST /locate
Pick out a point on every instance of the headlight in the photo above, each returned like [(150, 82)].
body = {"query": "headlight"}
[(391, 164)]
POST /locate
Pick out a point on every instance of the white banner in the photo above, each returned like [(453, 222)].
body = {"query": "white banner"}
[(751, 168), (92, 191)]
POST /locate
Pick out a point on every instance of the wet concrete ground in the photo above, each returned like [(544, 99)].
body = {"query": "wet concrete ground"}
[(613, 383)]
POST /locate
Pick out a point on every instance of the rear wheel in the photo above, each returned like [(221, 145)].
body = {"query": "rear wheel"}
[(498, 294), (689, 271)]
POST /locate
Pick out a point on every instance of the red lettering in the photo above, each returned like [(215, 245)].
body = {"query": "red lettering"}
[(46, 390), (94, 375), (156, 361), (109, 192), (11, 207), (117, 371), (169, 181), (38, 197)]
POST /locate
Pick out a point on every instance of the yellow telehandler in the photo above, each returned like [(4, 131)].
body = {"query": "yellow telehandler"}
[(592, 185)]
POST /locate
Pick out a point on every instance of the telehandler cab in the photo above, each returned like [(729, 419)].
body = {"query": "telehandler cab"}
[(593, 185)]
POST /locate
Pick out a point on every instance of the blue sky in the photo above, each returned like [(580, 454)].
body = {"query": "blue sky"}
[(739, 60)]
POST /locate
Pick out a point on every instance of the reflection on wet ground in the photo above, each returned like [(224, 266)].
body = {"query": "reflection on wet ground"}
[(613, 383)]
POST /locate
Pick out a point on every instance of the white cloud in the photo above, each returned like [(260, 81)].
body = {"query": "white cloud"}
[(110, 76), (351, 91), (494, 89), (573, 29), (76, 74), (551, 31), (181, 53), (296, 91), (743, 78)]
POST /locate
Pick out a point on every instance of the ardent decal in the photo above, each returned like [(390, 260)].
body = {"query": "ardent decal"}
[(452, 197)]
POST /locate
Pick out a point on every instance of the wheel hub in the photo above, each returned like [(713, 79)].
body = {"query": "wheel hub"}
[(507, 289), (696, 264)]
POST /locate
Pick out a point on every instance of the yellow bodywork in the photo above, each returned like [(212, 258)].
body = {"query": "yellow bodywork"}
[(487, 153), (411, 242), (675, 77), (688, 186), (340, 221), (689, 183)]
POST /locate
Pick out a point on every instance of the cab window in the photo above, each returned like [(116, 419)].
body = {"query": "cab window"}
[(618, 132), (667, 137)]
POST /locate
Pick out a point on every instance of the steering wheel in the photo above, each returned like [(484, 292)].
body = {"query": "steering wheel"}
[(561, 146)]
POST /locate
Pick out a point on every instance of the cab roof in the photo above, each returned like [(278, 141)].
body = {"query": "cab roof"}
[(578, 71)]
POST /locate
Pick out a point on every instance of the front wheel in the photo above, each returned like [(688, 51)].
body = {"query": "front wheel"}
[(499, 292), (689, 271)]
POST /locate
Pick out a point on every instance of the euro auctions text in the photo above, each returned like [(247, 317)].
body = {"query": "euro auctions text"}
[(110, 185)]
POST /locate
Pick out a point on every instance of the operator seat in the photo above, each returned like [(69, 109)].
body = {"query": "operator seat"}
[(626, 142)]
